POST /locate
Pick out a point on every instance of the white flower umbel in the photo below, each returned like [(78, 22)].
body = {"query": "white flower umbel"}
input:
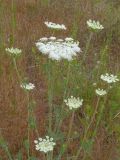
[(95, 25), (109, 78), (58, 49), (55, 26), (44, 145), (73, 103), (100, 92), (14, 51), (27, 86)]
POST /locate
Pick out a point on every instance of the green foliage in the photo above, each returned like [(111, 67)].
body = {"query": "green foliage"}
[(45, 2), (87, 145), (26, 144), (33, 158), (4, 146), (19, 155)]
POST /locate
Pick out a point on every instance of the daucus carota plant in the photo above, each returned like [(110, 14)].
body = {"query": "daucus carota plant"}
[(109, 78), (55, 26), (94, 25), (100, 92), (15, 53), (58, 49), (73, 103), (44, 145), (27, 86), (66, 70)]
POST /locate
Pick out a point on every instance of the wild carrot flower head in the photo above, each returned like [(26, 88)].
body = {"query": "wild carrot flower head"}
[(95, 25), (73, 103), (58, 49), (44, 145), (55, 26), (109, 78), (14, 51), (100, 92), (27, 86)]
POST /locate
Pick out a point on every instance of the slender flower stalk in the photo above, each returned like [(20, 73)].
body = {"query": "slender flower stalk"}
[(28, 87), (73, 104), (70, 127), (9, 154), (99, 117), (94, 114), (50, 93), (87, 47), (86, 131), (16, 68), (28, 132), (64, 95), (13, 21), (116, 115)]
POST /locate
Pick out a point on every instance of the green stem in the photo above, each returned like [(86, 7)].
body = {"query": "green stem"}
[(48, 156), (8, 153), (51, 155), (70, 127), (116, 115), (50, 95), (93, 117), (87, 47), (91, 121), (13, 10), (64, 95), (28, 132), (100, 116), (16, 68)]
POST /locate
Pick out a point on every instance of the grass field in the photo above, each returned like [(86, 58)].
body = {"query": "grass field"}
[(92, 130)]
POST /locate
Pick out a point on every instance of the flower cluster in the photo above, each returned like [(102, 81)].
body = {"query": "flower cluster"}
[(44, 145), (55, 26), (95, 25), (73, 103), (109, 78), (58, 49), (27, 86), (13, 51), (100, 92)]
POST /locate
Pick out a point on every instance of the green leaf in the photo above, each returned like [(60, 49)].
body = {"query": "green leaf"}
[(32, 122), (19, 156), (61, 152), (33, 158), (26, 144), (87, 145)]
